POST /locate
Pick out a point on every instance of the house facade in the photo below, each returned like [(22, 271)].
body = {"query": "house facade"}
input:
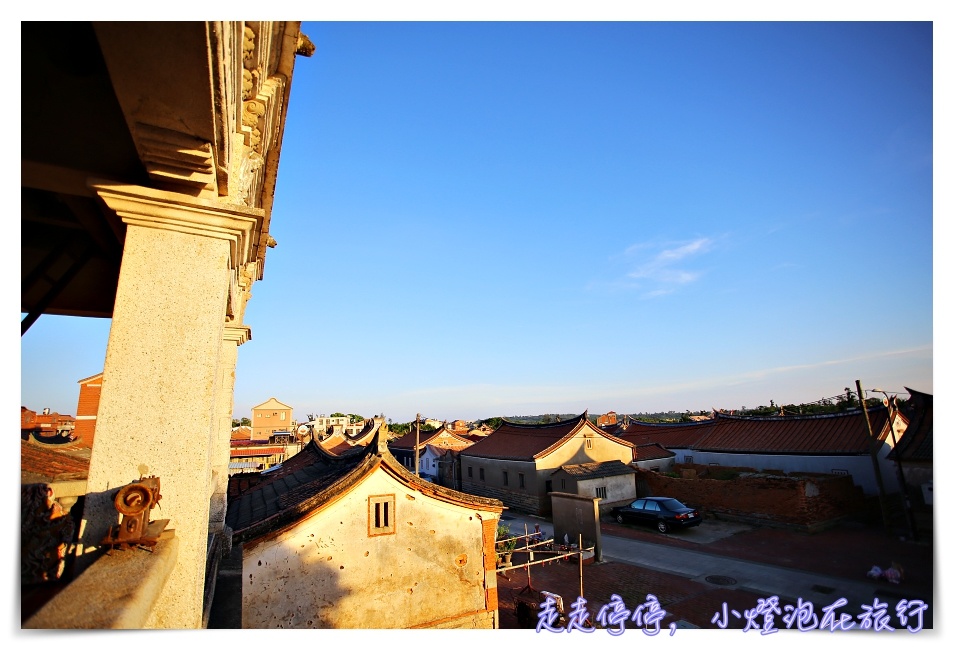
[(612, 482), (405, 447), (516, 462), (607, 419), (357, 541), (269, 418)]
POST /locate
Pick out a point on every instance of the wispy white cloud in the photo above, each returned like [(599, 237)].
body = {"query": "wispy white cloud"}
[(663, 271)]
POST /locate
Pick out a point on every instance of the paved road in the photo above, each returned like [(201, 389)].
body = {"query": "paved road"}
[(755, 577)]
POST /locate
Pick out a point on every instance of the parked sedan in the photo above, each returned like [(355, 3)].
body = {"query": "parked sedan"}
[(662, 512)]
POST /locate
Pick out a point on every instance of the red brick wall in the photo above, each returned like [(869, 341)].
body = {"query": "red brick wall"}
[(87, 406), (804, 500)]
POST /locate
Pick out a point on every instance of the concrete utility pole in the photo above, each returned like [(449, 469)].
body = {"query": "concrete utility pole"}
[(417, 442), (873, 448)]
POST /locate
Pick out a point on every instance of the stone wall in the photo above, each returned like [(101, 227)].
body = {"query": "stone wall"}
[(811, 501)]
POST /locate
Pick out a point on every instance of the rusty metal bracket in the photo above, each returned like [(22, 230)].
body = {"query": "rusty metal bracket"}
[(134, 502)]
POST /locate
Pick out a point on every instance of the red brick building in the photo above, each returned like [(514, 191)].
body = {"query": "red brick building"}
[(86, 409)]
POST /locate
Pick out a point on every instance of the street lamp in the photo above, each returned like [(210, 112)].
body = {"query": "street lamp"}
[(897, 459)]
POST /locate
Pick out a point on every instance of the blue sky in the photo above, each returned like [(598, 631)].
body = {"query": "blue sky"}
[(482, 219)]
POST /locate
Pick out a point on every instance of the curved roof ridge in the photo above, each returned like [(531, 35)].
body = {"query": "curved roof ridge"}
[(691, 423), (810, 416), (539, 425)]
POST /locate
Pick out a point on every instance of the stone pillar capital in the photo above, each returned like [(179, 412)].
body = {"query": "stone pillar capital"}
[(241, 226)]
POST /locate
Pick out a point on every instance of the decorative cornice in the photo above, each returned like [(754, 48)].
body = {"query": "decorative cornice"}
[(141, 206), (174, 157), (239, 334)]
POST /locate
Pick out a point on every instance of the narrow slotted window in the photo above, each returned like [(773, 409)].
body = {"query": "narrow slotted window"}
[(470, 472), (505, 478), (481, 473), (589, 443), (601, 492), (522, 484), (381, 515)]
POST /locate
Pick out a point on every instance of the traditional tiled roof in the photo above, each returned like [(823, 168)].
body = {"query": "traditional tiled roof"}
[(831, 434), (334, 441), (682, 435), (339, 448), (41, 464), (834, 434), (406, 442), (241, 433), (371, 427), (614, 429), (917, 443), (256, 450), (652, 451), (263, 503), (514, 441), (444, 451), (596, 470)]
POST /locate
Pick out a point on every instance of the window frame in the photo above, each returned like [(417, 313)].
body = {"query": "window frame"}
[(381, 515)]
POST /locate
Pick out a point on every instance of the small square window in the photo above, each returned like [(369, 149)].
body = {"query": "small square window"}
[(381, 515), (601, 492)]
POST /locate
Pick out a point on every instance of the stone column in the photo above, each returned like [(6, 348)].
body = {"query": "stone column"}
[(235, 335), (162, 377)]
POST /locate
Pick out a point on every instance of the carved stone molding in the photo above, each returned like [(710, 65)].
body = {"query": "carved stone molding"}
[(176, 158), (252, 112), (141, 206), (240, 291), (245, 166), (238, 333)]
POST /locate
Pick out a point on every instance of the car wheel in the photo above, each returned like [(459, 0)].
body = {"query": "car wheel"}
[(619, 519), (662, 526)]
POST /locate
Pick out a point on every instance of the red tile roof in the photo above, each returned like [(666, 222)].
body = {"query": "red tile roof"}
[(652, 451), (596, 470), (40, 464), (261, 503), (257, 450), (514, 441), (671, 436), (835, 434)]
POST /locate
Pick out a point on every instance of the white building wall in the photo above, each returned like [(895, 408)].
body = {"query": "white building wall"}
[(328, 572)]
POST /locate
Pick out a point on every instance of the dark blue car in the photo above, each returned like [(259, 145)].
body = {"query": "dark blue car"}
[(662, 512)]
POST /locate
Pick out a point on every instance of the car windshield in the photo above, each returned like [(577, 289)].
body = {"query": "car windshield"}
[(672, 504)]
